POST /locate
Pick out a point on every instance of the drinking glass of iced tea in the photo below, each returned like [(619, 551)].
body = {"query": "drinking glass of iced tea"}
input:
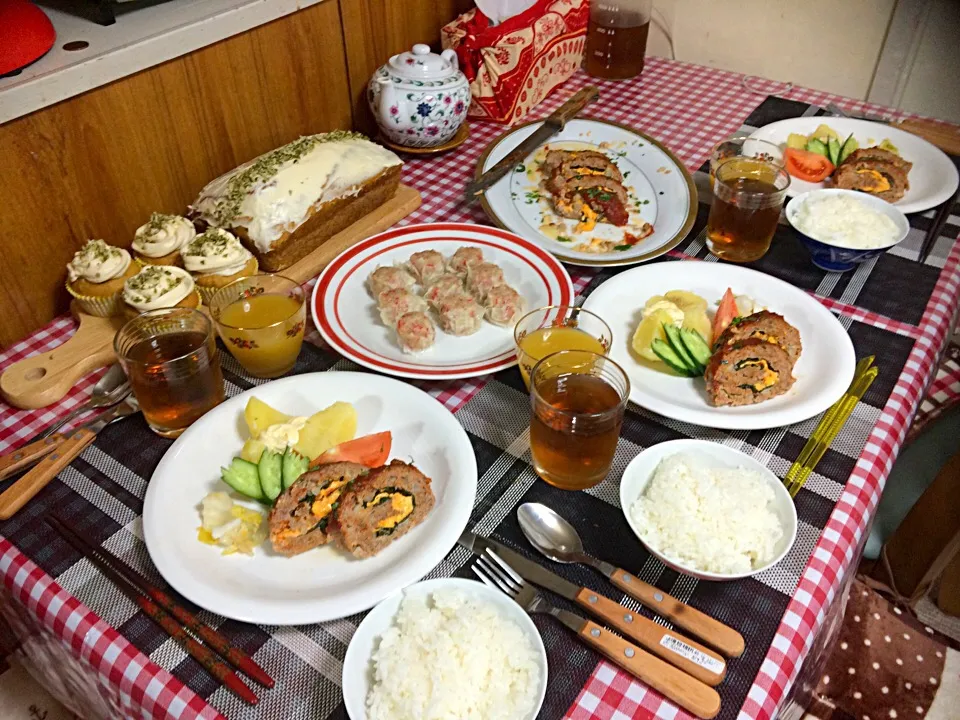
[(747, 198), (577, 401), (261, 319), (743, 146), (171, 359), (553, 328)]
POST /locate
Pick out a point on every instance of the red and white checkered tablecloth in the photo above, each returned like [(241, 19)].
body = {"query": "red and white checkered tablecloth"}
[(689, 108)]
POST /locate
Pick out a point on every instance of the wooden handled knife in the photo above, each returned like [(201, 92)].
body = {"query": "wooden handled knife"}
[(551, 126)]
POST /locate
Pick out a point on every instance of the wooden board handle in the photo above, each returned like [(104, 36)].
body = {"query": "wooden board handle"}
[(691, 657), (713, 632), (28, 454), (44, 379), (690, 694), (946, 137), (24, 489)]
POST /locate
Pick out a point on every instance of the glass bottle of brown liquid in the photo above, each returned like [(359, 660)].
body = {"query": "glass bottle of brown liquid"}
[(617, 38)]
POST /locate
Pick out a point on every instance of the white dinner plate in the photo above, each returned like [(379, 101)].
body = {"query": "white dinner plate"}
[(358, 662), (823, 372), (660, 188), (325, 583), (347, 318), (933, 177)]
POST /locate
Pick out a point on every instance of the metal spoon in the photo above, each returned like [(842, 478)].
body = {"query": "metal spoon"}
[(557, 539), (109, 390)]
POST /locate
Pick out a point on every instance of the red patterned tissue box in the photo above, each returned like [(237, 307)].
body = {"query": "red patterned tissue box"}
[(513, 66)]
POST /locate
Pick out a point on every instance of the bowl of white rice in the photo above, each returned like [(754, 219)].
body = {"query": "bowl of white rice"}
[(447, 649), (708, 510), (842, 228)]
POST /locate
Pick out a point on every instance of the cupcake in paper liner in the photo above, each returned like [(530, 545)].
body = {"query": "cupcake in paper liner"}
[(215, 259), (157, 287), (96, 275), (159, 241)]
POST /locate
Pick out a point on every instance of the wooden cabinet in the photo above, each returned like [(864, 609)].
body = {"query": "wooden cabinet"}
[(376, 29), (96, 165)]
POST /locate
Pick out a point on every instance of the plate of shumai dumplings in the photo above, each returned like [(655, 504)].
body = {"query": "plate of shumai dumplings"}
[(435, 301)]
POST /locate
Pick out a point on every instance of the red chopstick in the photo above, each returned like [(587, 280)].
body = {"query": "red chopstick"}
[(144, 593)]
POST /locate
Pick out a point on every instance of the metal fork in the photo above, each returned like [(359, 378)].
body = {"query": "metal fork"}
[(689, 693)]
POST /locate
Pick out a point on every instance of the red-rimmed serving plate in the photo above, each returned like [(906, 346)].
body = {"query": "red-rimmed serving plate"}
[(346, 315)]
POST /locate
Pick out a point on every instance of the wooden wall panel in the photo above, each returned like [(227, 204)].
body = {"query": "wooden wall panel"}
[(98, 164), (376, 29)]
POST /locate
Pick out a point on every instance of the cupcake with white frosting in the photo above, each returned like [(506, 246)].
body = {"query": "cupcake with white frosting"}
[(215, 259), (159, 241), (157, 287), (95, 277)]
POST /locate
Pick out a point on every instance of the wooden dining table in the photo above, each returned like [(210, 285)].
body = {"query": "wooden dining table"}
[(100, 652)]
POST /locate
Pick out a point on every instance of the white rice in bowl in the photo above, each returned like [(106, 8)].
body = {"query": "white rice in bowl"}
[(718, 520), (450, 656)]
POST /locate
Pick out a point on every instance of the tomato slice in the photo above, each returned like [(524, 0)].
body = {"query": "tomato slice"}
[(726, 312), (806, 165), (370, 450)]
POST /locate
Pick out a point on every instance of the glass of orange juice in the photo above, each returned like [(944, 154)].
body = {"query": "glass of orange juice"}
[(261, 319), (558, 327)]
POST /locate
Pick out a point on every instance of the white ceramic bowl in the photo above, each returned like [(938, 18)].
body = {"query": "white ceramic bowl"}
[(640, 471), (357, 665), (837, 258)]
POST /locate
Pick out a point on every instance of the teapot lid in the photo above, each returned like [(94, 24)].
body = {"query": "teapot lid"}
[(421, 64)]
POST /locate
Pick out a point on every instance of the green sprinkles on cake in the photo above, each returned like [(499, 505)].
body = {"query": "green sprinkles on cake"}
[(214, 241), (152, 280), (157, 222), (266, 166)]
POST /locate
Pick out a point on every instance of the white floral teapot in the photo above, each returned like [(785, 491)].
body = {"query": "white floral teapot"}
[(420, 99)]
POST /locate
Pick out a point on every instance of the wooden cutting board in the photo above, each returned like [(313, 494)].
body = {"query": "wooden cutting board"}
[(44, 379)]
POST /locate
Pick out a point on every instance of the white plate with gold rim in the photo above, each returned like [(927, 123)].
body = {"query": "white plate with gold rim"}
[(823, 372), (660, 189)]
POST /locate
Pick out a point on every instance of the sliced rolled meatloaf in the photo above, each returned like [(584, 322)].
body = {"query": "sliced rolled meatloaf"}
[(875, 171), (764, 325), (747, 372), (303, 516), (580, 179), (382, 506)]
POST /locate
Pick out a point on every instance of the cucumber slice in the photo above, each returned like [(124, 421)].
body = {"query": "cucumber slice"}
[(243, 477), (849, 145), (270, 469), (818, 146), (294, 465), (670, 358), (696, 346), (833, 147), (673, 338)]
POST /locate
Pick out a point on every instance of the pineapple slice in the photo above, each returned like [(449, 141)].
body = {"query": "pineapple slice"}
[(259, 416), (252, 450), (649, 329), (686, 300), (695, 319), (326, 429)]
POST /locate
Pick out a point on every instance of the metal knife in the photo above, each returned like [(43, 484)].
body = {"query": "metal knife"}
[(51, 455), (691, 657), (550, 127)]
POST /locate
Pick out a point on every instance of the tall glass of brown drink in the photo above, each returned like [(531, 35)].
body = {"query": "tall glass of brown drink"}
[(171, 359), (747, 198), (577, 401), (617, 38)]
